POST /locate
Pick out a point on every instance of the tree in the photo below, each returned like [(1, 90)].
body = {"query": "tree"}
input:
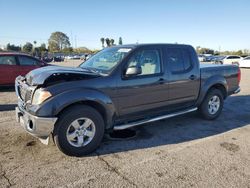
[(204, 50), (102, 41), (82, 50), (239, 52), (112, 42), (58, 41), (27, 47), (42, 48), (107, 42), (120, 40), (67, 50), (40, 51), (12, 47)]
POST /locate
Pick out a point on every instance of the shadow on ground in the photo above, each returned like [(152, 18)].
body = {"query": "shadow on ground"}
[(7, 88), (236, 114), (7, 107)]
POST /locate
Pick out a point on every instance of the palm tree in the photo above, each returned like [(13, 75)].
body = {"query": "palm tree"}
[(35, 49), (120, 40), (102, 41), (107, 42), (112, 41)]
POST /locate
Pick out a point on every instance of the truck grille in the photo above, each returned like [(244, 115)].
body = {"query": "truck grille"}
[(24, 91)]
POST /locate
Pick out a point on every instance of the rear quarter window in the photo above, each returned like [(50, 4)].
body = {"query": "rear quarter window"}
[(24, 60)]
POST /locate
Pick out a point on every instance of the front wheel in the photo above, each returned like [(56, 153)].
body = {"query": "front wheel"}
[(212, 105), (79, 130)]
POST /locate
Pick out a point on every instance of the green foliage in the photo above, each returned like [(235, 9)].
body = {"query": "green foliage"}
[(112, 42), (67, 50), (102, 41), (42, 48), (58, 41), (82, 50), (210, 51), (204, 50), (27, 48), (12, 47), (120, 40), (239, 53), (107, 40)]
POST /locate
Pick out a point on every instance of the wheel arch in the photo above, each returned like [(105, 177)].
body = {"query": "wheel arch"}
[(215, 82), (97, 106), (96, 99)]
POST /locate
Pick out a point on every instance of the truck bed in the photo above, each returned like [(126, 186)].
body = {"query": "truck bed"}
[(229, 72)]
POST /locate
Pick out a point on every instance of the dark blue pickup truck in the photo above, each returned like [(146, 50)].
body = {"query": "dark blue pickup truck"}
[(118, 88)]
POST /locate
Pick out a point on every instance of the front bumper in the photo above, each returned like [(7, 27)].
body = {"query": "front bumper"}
[(40, 127)]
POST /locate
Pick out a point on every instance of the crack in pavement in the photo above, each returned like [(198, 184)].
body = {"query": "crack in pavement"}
[(115, 170), (4, 176)]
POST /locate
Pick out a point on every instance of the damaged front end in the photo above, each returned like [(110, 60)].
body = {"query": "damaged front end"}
[(31, 91)]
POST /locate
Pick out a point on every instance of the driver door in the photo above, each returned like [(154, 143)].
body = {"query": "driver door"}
[(146, 91)]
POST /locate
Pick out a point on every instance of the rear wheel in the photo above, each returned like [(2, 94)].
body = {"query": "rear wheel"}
[(79, 130), (212, 105)]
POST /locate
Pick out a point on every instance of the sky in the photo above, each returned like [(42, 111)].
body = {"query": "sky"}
[(217, 24)]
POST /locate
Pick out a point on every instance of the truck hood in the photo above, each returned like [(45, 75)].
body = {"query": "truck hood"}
[(56, 74)]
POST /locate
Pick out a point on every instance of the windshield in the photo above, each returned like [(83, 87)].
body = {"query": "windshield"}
[(105, 60)]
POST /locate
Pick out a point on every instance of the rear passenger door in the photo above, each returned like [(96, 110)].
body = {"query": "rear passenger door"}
[(27, 64), (184, 79), (8, 69)]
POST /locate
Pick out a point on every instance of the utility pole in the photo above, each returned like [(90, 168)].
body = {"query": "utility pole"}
[(71, 38), (75, 42)]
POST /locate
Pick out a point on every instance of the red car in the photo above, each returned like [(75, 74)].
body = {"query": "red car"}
[(14, 64)]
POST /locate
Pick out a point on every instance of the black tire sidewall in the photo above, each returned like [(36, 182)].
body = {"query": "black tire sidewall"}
[(66, 118), (204, 106)]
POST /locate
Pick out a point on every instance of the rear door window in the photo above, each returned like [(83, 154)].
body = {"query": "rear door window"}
[(178, 60), (24, 60), (7, 60)]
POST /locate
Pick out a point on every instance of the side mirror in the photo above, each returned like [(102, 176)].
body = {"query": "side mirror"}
[(133, 71)]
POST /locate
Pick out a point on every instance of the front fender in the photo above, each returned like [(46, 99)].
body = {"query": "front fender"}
[(206, 84), (56, 104)]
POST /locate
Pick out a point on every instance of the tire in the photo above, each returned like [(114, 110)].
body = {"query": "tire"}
[(79, 130), (212, 105)]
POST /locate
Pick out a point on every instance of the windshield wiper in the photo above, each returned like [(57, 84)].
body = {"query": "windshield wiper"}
[(93, 71)]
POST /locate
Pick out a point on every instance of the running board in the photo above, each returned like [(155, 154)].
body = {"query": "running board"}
[(133, 124)]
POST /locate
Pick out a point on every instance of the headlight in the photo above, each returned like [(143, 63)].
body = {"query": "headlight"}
[(40, 96)]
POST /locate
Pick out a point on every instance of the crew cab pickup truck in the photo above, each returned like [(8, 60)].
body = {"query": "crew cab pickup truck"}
[(118, 88)]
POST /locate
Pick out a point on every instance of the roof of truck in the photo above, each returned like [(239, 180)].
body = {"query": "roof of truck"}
[(13, 53), (151, 44)]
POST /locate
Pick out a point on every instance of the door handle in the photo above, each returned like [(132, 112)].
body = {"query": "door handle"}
[(192, 77), (161, 81)]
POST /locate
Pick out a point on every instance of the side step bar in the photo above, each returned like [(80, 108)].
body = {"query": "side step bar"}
[(133, 124)]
